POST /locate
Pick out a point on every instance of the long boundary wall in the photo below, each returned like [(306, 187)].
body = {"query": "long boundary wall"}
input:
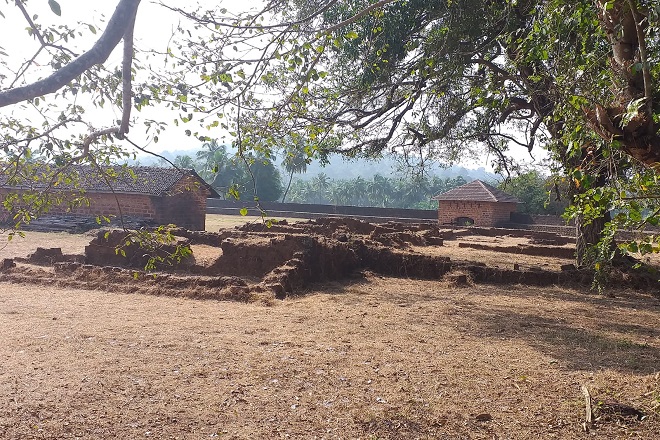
[(299, 210)]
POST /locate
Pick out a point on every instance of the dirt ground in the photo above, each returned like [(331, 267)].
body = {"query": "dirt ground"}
[(75, 243), (369, 357), (375, 358)]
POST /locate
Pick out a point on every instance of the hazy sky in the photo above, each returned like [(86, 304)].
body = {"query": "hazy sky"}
[(154, 26), (153, 29)]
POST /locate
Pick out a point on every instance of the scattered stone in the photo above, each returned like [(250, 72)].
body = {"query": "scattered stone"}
[(458, 279), (7, 263), (46, 256), (485, 417), (115, 247)]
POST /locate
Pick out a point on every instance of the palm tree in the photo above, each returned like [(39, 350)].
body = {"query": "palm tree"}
[(184, 162), (379, 190), (321, 183), (295, 161), (213, 158), (359, 190), (338, 194)]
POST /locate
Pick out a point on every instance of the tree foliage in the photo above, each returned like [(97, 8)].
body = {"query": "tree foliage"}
[(411, 192), (247, 177), (427, 79), (537, 193)]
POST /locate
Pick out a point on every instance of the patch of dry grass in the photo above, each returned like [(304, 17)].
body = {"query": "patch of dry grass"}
[(492, 258), (376, 358), (23, 246), (215, 222)]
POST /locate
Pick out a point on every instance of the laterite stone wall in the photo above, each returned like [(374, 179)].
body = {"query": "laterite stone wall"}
[(483, 213)]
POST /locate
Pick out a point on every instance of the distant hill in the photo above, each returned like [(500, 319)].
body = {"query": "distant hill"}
[(341, 168)]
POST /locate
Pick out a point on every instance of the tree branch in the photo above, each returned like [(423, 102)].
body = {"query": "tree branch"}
[(40, 37), (121, 18), (126, 75), (290, 24), (646, 72), (144, 150), (357, 16), (91, 138), (38, 136)]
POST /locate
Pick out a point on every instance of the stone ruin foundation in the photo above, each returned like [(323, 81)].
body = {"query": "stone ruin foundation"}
[(261, 263)]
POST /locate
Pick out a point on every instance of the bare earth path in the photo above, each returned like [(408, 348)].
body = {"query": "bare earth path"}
[(378, 358)]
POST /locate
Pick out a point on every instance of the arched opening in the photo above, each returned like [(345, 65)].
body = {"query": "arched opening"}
[(464, 221)]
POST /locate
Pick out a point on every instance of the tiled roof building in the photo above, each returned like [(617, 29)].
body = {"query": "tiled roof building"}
[(164, 195), (475, 203)]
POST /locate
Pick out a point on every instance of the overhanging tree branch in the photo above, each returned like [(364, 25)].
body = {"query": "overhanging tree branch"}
[(120, 21), (127, 74), (36, 32), (357, 16)]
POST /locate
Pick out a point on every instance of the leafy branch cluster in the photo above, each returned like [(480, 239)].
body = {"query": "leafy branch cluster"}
[(428, 80)]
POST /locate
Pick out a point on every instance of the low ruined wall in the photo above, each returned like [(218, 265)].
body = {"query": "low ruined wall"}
[(536, 219), (542, 251), (564, 231), (217, 206)]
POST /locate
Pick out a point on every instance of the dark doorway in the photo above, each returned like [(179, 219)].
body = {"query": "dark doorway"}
[(464, 221)]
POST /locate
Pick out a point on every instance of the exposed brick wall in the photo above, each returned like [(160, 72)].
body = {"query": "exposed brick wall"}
[(483, 213), (184, 206), (106, 204), (137, 205)]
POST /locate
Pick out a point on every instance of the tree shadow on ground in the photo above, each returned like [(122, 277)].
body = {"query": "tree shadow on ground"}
[(627, 299), (581, 331), (359, 285), (573, 346)]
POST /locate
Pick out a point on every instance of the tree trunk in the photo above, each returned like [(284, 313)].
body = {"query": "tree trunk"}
[(626, 28), (586, 237), (287, 187)]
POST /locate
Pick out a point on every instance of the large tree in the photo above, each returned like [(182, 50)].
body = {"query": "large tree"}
[(425, 78), (433, 79)]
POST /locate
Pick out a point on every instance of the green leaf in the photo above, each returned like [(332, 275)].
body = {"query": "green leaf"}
[(92, 28), (244, 211), (55, 7), (645, 248)]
